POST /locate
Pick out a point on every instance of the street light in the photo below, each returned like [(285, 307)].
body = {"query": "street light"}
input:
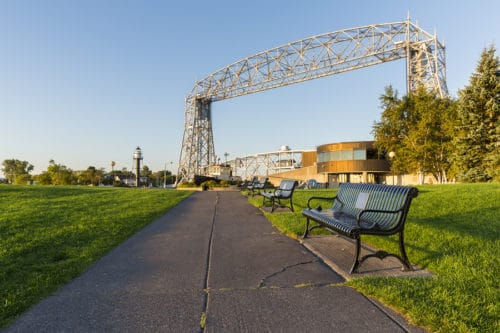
[(391, 156), (165, 176), (171, 172), (112, 163)]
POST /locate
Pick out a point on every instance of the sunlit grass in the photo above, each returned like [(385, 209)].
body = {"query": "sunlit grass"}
[(452, 231), (50, 235)]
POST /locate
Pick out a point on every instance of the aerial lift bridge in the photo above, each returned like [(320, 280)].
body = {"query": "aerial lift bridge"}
[(302, 60)]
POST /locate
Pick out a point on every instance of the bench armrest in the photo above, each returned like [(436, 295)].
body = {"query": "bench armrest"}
[(271, 189), (332, 199)]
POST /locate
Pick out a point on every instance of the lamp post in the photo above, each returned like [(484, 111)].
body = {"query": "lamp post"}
[(137, 159), (165, 176), (391, 156), (171, 173), (112, 163)]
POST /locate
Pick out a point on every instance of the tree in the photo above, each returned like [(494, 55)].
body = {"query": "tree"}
[(163, 177), (59, 174), (431, 133), (91, 176), (16, 171), (417, 128), (391, 128), (478, 132), (43, 178), (145, 172)]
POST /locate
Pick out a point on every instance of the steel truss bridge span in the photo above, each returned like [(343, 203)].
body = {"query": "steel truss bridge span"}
[(265, 164), (303, 60)]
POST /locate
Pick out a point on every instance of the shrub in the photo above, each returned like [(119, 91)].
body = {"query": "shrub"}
[(224, 183), (208, 184), (187, 184)]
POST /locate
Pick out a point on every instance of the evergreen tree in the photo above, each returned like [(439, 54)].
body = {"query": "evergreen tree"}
[(478, 133)]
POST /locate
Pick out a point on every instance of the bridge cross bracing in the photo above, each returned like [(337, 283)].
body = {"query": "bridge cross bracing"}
[(265, 164), (307, 59)]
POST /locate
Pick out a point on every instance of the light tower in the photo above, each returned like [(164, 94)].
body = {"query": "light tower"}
[(138, 159)]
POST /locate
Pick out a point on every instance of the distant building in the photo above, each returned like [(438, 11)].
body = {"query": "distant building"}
[(220, 171)]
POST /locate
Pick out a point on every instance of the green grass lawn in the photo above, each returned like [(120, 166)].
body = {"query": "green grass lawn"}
[(452, 231), (50, 235)]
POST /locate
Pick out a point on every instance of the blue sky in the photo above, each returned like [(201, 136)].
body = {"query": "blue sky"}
[(85, 82)]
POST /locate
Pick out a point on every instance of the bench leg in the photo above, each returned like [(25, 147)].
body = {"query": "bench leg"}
[(355, 264), (283, 205), (404, 258), (383, 254), (306, 232), (265, 200)]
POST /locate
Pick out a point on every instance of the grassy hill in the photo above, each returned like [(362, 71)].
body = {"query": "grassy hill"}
[(50, 235)]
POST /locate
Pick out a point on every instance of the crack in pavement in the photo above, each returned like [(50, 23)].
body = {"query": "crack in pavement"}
[(299, 285), (284, 269)]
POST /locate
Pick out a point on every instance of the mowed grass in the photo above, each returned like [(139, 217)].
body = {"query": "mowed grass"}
[(452, 231), (50, 235)]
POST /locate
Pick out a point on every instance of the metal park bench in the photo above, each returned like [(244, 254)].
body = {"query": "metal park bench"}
[(365, 209), (256, 187), (283, 192), (244, 186)]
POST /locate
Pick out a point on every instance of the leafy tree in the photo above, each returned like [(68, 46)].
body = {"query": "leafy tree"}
[(478, 132), (16, 171), (391, 128), (163, 177), (145, 172), (60, 175), (91, 176), (417, 128), (43, 178)]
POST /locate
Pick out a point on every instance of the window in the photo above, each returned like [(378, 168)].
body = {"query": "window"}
[(346, 155), (359, 154), (323, 157), (342, 155), (356, 178), (343, 178)]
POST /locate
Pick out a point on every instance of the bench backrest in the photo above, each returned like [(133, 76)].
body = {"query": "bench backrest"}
[(375, 197), (285, 190), (261, 183)]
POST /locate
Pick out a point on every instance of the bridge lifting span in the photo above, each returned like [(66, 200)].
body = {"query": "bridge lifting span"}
[(265, 164), (303, 60)]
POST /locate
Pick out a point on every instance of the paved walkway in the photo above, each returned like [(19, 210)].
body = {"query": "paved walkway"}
[(212, 264)]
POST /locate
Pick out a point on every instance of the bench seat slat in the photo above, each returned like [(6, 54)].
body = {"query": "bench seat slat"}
[(346, 226)]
